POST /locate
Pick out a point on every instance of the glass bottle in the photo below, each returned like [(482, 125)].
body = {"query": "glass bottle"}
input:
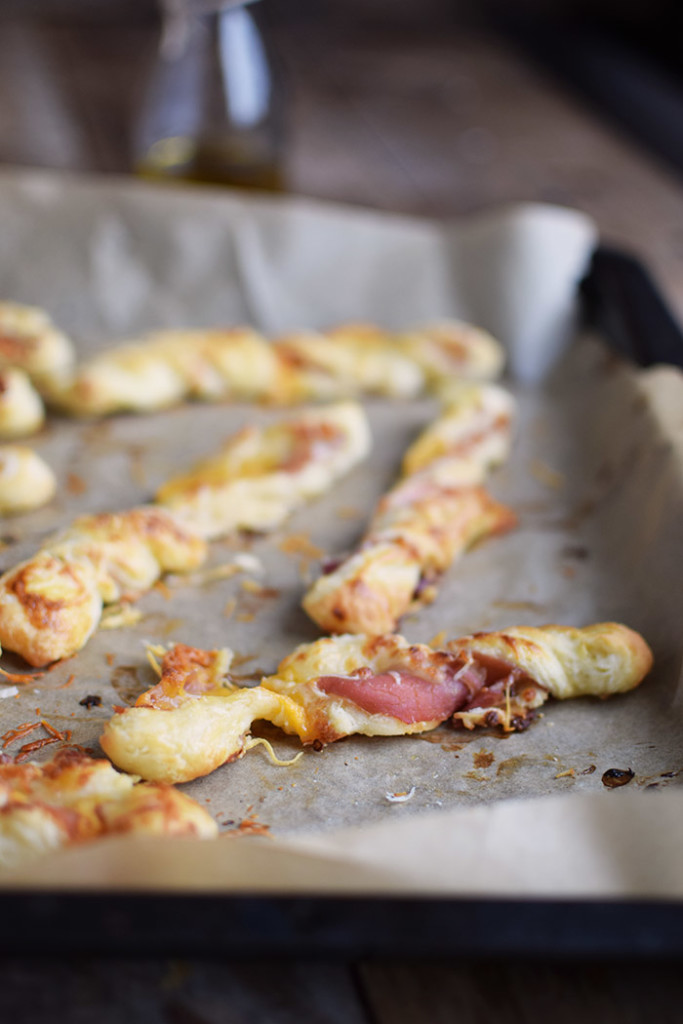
[(211, 113)]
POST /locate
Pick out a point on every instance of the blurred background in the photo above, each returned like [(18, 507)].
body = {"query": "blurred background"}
[(430, 107)]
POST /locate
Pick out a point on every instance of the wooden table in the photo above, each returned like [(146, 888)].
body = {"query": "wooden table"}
[(429, 126), (417, 125)]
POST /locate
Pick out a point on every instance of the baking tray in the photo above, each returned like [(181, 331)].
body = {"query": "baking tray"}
[(194, 923)]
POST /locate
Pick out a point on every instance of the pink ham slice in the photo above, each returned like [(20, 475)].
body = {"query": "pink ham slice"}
[(405, 696)]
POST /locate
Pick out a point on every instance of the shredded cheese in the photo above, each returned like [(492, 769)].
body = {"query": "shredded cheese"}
[(117, 616), (401, 798), (255, 741), (153, 652), (242, 562)]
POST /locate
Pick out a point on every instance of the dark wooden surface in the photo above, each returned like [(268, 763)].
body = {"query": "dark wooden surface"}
[(417, 124), (153, 991), (437, 126)]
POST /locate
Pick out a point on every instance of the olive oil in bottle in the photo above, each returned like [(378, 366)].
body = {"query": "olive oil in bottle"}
[(211, 112)]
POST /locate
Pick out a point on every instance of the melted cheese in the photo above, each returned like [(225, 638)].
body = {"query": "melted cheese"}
[(195, 720)]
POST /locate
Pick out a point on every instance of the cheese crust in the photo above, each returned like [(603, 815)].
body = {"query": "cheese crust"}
[(426, 521), (52, 603), (263, 473), (75, 798)]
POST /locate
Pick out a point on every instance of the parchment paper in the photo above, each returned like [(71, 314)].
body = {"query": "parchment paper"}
[(595, 478)]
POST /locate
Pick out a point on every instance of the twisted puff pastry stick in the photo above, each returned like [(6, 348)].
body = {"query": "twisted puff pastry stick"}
[(32, 350), (51, 604), (196, 719), (165, 367), (263, 473), (74, 798), (526, 664), (30, 341), (435, 512)]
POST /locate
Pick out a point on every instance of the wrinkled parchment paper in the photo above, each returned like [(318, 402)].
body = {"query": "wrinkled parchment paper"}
[(595, 478)]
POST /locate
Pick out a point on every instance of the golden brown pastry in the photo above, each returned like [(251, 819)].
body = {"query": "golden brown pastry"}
[(49, 608), (130, 550), (30, 341), (75, 798), (451, 348), (51, 604), (470, 437), (429, 518), (164, 367), (525, 665), (26, 480), (21, 407), (407, 546), (196, 718), (350, 361), (263, 473)]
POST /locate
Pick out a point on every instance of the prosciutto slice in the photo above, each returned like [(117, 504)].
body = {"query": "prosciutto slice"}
[(409, 698)]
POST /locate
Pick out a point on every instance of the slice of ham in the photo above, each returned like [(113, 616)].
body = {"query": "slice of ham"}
[(405, 696)]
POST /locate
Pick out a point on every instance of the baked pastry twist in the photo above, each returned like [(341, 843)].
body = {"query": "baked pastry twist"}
[(166, 367), (429, 518), (263, 473), (196, 718), (524, 665), (75, 798), (30, 341), (32, 352), (51, 603), (452, 348)]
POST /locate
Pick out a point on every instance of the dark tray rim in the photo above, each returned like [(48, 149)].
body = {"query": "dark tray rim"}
[(58, 923)]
